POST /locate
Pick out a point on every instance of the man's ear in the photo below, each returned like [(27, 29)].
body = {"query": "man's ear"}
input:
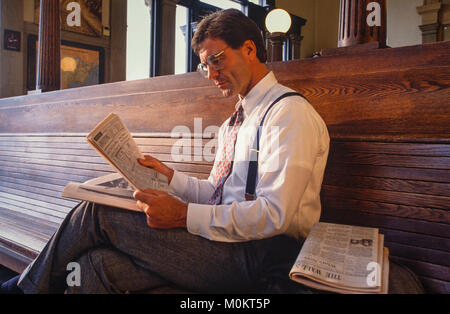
[(249, 49)]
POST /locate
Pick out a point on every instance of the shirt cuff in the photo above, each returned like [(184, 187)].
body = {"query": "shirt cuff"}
[(178, 184), (198, 219)]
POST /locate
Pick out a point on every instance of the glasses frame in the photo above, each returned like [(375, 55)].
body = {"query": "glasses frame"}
[(202, 68)]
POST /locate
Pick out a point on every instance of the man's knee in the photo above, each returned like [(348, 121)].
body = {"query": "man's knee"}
[(81, 209), (88, 212)]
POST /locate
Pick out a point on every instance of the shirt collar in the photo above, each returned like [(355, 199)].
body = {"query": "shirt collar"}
[(257, 93)]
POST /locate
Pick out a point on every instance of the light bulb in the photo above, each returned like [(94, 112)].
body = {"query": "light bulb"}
[(278, 21), (68, 64)]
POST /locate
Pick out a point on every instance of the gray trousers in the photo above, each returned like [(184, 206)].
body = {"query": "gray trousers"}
[(117, 252)]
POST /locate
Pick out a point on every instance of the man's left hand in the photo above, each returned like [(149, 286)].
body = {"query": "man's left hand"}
[(163, 210)]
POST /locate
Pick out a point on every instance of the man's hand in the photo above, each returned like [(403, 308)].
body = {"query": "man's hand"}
[(163, 210), (155, 164)]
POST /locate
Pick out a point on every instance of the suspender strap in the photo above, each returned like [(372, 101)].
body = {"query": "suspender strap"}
[(254, 153)]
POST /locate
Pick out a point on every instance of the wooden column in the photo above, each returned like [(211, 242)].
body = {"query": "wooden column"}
[(276, 41), (163, 29), (353, 27), (118, 41), (49, 57), (296, 42)]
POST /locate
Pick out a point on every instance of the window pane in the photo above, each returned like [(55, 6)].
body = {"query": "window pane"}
[(181, 38), (138, 41), (224, 4)]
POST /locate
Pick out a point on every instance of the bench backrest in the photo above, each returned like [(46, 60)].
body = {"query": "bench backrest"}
[(388, 114)]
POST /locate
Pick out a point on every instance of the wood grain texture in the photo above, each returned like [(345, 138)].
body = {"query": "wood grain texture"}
[(386, 92), (388, 114)]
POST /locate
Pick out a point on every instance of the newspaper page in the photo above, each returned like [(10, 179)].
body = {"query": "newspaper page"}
[(339, 256), (112, 190), (113, 141)]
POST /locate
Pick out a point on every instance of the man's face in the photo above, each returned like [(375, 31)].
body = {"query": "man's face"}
[(233, 76)]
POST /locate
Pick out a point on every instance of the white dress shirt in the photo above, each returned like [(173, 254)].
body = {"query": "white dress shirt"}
[(294, 146)]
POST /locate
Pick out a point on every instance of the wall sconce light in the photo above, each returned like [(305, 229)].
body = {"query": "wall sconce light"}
[(278, 23)]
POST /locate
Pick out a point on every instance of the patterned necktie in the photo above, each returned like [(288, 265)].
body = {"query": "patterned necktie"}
[(222, 168)]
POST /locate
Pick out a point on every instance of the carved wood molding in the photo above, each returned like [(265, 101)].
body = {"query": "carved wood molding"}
[(435, 15)]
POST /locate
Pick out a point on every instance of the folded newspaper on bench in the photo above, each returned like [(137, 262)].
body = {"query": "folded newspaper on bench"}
[(113, 141), (343, 259)]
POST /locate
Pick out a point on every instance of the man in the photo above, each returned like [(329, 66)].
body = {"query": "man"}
[(218, 239)]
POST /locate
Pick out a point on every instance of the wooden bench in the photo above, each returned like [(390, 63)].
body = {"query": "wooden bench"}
[(388, 114)]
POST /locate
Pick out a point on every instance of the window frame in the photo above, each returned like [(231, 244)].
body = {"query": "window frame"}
[(195, 10)]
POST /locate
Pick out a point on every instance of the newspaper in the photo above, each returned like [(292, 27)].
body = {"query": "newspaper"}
[(114, 142), (112, 190), (344, 259)]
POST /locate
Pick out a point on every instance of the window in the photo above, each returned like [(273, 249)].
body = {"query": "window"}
[(258, 2), (224, 4), (138, 40), (188, 14), (181, 40)]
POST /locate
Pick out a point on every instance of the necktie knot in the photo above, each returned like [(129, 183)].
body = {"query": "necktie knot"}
[(238, 117)]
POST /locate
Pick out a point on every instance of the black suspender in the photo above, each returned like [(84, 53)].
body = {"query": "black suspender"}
[(253, 163)]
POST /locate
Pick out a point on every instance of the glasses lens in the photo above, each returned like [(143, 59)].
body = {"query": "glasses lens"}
[(203, 69), (215, 62)]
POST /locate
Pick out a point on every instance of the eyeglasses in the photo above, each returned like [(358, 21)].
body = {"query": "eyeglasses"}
[(215, 62)]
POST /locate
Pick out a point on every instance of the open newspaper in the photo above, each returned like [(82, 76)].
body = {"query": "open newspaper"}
[(343, 259), (112, 140), (112, 190)]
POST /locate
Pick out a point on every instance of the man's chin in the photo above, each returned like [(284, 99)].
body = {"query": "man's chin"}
[(227, 92)]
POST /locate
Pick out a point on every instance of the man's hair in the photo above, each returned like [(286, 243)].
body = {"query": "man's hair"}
[(233, 27)]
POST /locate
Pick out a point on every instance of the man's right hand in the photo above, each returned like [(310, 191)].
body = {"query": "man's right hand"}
[(155, 164)]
